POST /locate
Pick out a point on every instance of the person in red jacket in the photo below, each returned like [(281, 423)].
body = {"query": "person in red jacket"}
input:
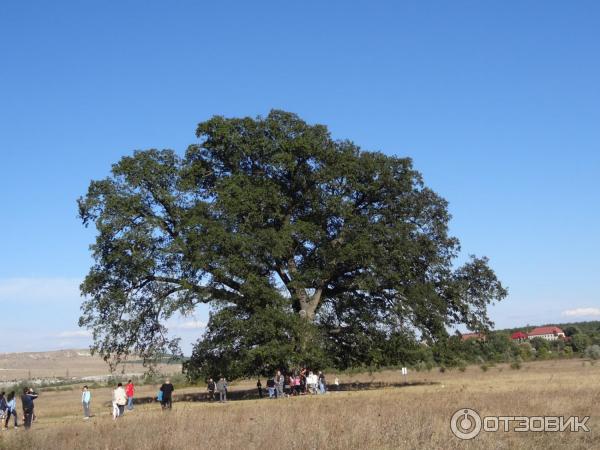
[(129, 391)]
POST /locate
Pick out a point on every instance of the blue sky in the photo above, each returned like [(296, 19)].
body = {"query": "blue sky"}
[(496, 102)]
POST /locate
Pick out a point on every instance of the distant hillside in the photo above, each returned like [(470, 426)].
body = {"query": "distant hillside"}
[(64, 364), (56, 354)]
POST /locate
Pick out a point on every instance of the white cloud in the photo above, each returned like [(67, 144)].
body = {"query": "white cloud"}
[(40, 290), (189, 325), (582, 312), (74, 334)]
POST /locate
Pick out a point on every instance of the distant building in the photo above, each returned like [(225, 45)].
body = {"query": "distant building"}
[(519, 336), (477, 336), (548, 333)]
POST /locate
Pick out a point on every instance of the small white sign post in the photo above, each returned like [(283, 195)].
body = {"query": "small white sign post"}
[(404, 373)]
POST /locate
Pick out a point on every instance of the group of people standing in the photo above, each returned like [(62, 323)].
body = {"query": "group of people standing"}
[(220, 386), (298, 382), (8, 408), (122, 397)]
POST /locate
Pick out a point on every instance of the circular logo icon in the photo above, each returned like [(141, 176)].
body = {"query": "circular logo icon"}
[(465, 423)]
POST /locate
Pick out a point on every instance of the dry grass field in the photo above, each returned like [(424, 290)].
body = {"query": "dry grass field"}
[(411, 416), (62, 364)]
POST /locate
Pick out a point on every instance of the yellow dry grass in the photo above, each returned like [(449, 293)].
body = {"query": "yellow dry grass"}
[(414, 416), (64, 364)]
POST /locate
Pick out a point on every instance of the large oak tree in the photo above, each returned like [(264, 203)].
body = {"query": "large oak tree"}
[(306, 247)]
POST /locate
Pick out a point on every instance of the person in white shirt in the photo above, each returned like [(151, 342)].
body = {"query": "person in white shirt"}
[(311, 382), (86, 398), (119, 401)]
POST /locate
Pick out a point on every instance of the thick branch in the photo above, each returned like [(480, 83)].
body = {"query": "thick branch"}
[(207, 292)]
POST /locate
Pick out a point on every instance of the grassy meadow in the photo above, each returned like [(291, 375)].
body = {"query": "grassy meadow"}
[(412, 415)]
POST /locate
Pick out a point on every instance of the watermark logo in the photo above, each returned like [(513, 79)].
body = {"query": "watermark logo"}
[(466, 423)]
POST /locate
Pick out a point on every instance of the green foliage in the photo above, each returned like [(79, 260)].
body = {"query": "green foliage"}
[(516, 363), (543, 353), (539, 343), (526, 351), (571, 330), (593, 352), (580, 342), (270, 220), (499, 347), (422, 366), (242, 342)]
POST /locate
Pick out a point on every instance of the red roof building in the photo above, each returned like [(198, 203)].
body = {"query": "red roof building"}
[(549, 333), (518, 336)]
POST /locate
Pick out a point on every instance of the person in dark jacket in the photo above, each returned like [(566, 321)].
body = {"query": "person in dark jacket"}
[(211, 386), (3, 404), (167, 392), (27, 399)]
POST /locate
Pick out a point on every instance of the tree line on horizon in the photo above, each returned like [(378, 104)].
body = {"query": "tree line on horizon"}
[(497, 347)]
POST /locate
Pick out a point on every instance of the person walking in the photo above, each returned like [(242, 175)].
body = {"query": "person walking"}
[(259, 387), (271, 387), (115, 408), (3, 405), (303, 381), (120, 399), (222, 388), (210, 387), (167, 394), (11, 409), (311, 382), (27, 401), (130, 391), (159, 395), (86, 398), (322, 386), (279, 382)]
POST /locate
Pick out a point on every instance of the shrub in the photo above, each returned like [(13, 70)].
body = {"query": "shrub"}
[(543, 353), (420, 366), (484, 367), (593, 352)]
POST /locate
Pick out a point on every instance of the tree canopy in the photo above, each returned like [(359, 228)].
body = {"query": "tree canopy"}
[(307, 249)]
